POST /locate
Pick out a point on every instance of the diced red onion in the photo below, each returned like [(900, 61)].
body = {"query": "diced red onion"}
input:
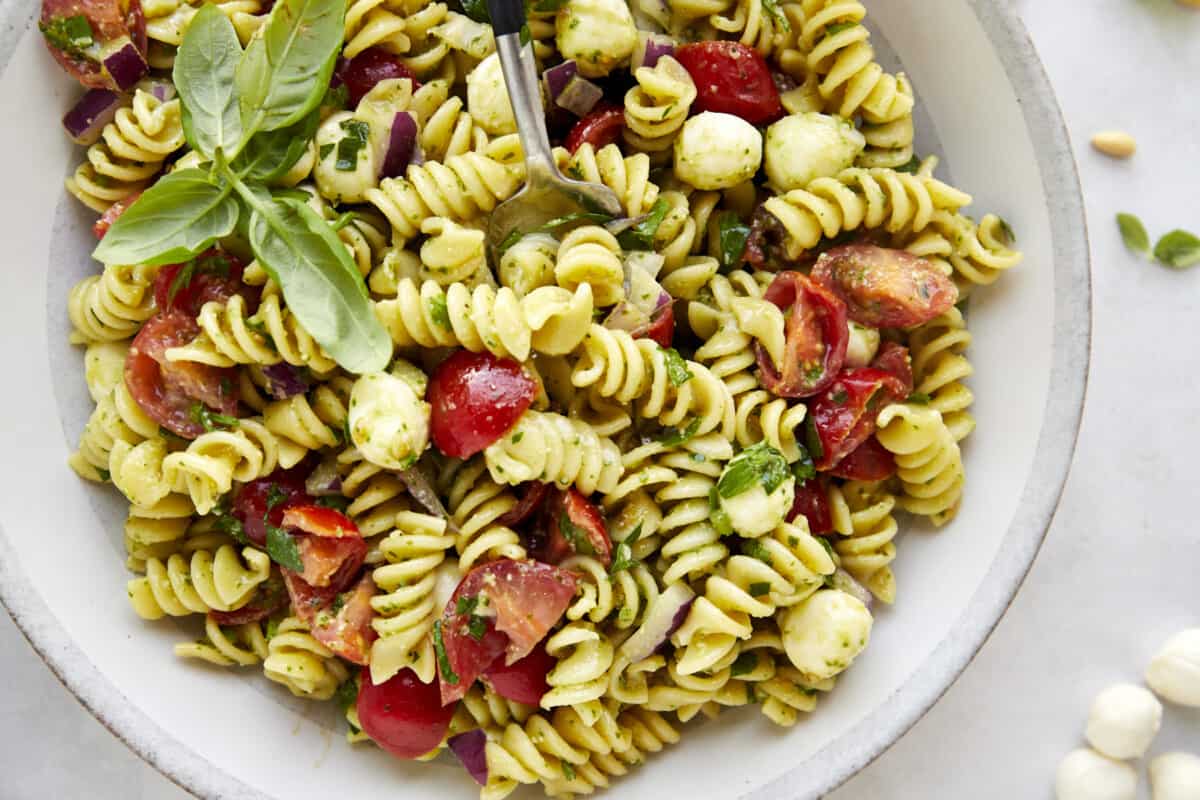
[(663, 618), (126, 65), (471, 750), (557, 78), (324, 481), (164, 90), (94, 110), (401, 144), (626, 317), (579, 96), (284, 381), (421, 488), (650, 48), (843, 580)]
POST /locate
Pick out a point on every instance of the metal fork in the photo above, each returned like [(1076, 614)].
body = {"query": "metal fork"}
[(547, 194)]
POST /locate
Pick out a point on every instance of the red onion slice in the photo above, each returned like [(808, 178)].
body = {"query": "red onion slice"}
[(471, 750), (401, 144), (579, 96), (650, 48), (284, 381), (557, 78), (420, 487), (843, 580), (324, 481), (663, 618), (164, 90), (94, 110), (126, 65), (626, 317)]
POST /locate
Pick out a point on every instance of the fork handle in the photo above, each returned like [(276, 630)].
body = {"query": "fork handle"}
[(521, 78)]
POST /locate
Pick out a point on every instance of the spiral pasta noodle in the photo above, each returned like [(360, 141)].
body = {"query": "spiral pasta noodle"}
[(214, 460), (555, 449), (627, 176), (237, 645), (156, 531), (928, 461), (862, 513), (657, 107), (298, 661), (590, 255), (370, 23), (581, 675), (112, 305), (692, 545), (940, 367), (204, 580), (475, 502)]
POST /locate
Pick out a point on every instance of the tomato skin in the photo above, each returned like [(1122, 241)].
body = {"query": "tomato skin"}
[(661, 328), (584, 515), (365, 70), (167, 390), (270, 597), (870, 461), (894, 358), (330, 561), (114, 213), (731, 78), (344, 626), (319, 521), (476, 398), (885, 288), (402, 715), (250, 502), (812, 503), (599, 128), (216, 276), (530, 504), (817, 337), (523, 681), (109, 22), (844, 415)]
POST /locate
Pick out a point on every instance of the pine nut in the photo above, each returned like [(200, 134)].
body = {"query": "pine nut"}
[(1117, 144)]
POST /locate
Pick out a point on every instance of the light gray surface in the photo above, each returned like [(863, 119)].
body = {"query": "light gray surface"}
[(1117, 573)]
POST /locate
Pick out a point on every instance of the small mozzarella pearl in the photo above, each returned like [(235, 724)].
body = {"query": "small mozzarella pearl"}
[(1124, 721), (1087, 775)]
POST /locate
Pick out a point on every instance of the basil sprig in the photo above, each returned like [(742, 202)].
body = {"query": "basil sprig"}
[(760, 463), (250, 116)]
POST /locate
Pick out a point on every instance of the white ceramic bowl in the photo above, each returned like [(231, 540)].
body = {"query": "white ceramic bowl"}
[(986, 108)]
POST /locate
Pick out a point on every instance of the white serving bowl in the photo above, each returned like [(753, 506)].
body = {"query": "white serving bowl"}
[(986, 108)]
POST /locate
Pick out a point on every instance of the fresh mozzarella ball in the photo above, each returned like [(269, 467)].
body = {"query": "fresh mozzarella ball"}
[(1174, 674), (1123, 721), (803, 147), (411, 374), (717, 151), (389, 424), (864, 343), (487, 97), (345, 185), (529, 264), (825, 633), (599, 34), (753, 512), (1087, 775), (1175, 776)]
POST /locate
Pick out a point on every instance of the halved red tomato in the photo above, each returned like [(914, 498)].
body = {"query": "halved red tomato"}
[(114, 213), (402, 715), (812, 502), (885, 288), (330, 562), (79, 33), (599, 128), (870, 461), (661, 328), (893, 357), (843, 416), (523, 681), (731, 78), (503, 607), (173, 392), (320, 521), (264, 500), (212, 275), (530, 504), (574, 525), (270, 596), (817, 337), (306, 599), (361, 73), (476, 398), (344, 625)]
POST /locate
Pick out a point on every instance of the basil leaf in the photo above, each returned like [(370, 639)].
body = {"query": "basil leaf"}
[(182, 214), (623, 552), (641, 235), (439, 312), (268, 156), (203, 74), (477, 10), (576, 536), (758, 464), (838, 27), (739, 477), (732, 234), (677, 369), (347, 694), (1133, 233), (758, 589), (439, 647), (911, 166), (1178, 249), (285, 70), (743, 664), (320, 283), (673, 437), (756, 549), (553, 225), (282, 549), (804, 469)]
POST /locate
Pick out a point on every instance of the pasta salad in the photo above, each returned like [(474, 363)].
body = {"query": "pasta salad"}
[(538, 504)]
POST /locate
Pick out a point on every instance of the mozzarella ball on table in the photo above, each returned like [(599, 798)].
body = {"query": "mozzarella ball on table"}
[(803, 147), (825, 633), (347, 162), (1174, 674), (717, 151), (487, 98), (1086, 775), (1123, 721), (1175, 776), (389, 424), (598, 34)]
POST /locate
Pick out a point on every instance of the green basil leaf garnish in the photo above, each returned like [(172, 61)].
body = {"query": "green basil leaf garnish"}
[(282, 549), (204, 68), (1133, 233), (1178, 249)]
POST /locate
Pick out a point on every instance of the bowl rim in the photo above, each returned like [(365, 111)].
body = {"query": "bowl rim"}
[(869, 738)]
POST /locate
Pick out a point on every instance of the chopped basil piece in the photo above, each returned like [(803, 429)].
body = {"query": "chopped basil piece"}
[(760, 463), (467, 605), (476, 628), (623, 552), (828, 548), (343, 219), (439, 647), (743, 664), (181, 279), (641, 235), (838, 27), (1133, 233), (760, 588), (339, 602), (804, 469), (517, 437), (233, 527), (347, 694), (438, 311), (575, 535), (721, 522), (567, 770), (677, 369), (812, 438), (334, 501), (335, 97), (272, 628), (282, 549), (840, 397), (597, 217), (104, 474), (324, 150), (357, 133), (732, 234), (72, 35), (1178, 249), (773, 11), (918, 398), (476, 10), (513, 237), (210, 420), (756, 549), (673, 437), (911, 167), (275, 496)]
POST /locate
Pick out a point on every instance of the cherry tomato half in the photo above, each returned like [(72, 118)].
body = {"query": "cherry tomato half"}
[(812, 502), (575, 525), (661, 328), (113, 213), (885, 288), (170, 392), (870, 461), (893, 357), (530, 504), (476, 398), (320, 521), (108, 22), (361, 73), (270, 596), (402, 715), (599, 128), (817, 337), (843, 416), (523, 681), (213, 275), (731, 78), (265, 500), (344, 625)]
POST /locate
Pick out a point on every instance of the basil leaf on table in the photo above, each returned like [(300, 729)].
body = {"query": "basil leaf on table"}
[(269, 155), (1133, 233), (203, 74), (1178, 249), (176, 218), (320, 284), (285, 70)]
